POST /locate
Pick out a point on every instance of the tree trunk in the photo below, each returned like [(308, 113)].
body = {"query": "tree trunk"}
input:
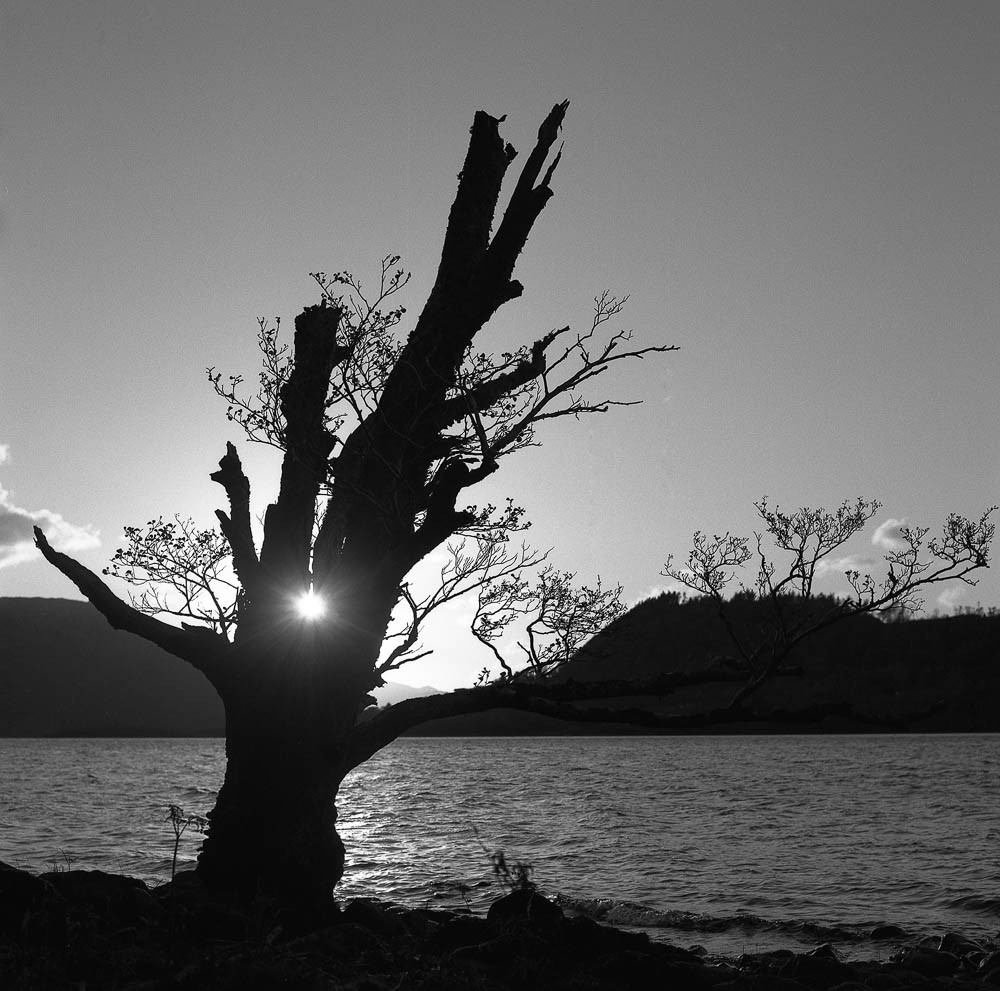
[(273, 828)]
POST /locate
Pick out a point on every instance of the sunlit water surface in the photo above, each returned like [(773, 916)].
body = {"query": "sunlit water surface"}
[(731, 842)]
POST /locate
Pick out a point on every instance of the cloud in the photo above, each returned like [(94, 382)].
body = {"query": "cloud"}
[(949, 598), (849, 562), (664, 588), (16, 538), (887, 535), (4, 453)]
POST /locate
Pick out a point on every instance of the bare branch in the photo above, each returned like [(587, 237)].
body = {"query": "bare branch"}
[(466, 569), (559, 618), (808, 536), (180, 570), (201, 648)]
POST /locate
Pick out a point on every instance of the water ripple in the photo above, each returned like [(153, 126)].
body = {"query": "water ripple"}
[(779, 837)]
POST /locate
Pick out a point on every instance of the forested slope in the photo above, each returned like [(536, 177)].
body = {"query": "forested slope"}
[(65, 672)]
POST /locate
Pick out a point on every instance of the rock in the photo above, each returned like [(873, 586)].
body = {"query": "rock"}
[(524, 906), (373, 917), (109, 894), (505, 948), (106, 931), (888, 933), (762, 982), (989, 968), (928, 962), (423, 923), (20, 893), (825, 950), (960, 945), (462, 930), (765, 960), (817, 971), (634, 969), (586, 938)]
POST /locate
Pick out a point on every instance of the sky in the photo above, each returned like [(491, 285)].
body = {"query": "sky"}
[(802, 196)]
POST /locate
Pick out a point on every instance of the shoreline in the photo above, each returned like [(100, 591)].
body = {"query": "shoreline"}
[(108, 931), (615, 731)]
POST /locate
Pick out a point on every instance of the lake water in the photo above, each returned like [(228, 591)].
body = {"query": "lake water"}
[(736, 843)]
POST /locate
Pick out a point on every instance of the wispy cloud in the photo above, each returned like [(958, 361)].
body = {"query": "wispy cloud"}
[(17, 543), (654, 591), (849, 562), (887, 535), (949, 599)]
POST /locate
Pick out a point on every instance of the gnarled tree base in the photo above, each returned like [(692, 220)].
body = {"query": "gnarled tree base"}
[(273, 828)]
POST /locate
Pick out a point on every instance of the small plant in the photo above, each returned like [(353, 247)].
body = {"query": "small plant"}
[(57, 866), (180, 821), (516, 876), (513, 877)]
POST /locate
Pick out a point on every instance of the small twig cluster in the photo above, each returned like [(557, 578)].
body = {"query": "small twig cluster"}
[(809, 537), (515, 876), (180, 821)]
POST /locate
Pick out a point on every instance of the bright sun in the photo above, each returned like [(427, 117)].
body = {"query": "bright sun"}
[(309, 605)]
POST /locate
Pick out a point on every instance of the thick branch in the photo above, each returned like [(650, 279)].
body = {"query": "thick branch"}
[(236, 526), (393, 449), (370, 737), (288, 522), (471, 216), (486, 394), (198, 646), (473, 280), (556, 699), (526, 203)]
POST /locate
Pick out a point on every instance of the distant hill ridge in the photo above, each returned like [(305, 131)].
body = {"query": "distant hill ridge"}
[(883, 668), (65, 672), (886, 670)]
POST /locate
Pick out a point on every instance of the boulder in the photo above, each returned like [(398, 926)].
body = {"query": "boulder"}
[(991, 961), (989, 968), (373, 917), (927, 962), (586, 938), (887, 932), (524, 906), (634, 969), (462, 930), (818, 971), (825, 950), (20, 893), (960, 945), (110, 894)]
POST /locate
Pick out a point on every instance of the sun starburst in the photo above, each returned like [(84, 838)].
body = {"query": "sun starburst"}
[(310, 606)]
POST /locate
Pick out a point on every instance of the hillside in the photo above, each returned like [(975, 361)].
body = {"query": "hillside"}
[(883, 669), (65, 672)]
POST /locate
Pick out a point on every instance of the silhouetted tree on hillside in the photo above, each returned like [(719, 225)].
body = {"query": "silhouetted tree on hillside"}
[(789, 608), (381, 437)]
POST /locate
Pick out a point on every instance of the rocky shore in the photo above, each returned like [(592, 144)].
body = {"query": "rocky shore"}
[(91, 931)]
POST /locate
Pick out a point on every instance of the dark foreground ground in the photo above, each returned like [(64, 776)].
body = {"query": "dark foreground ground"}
[(90, 931)]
